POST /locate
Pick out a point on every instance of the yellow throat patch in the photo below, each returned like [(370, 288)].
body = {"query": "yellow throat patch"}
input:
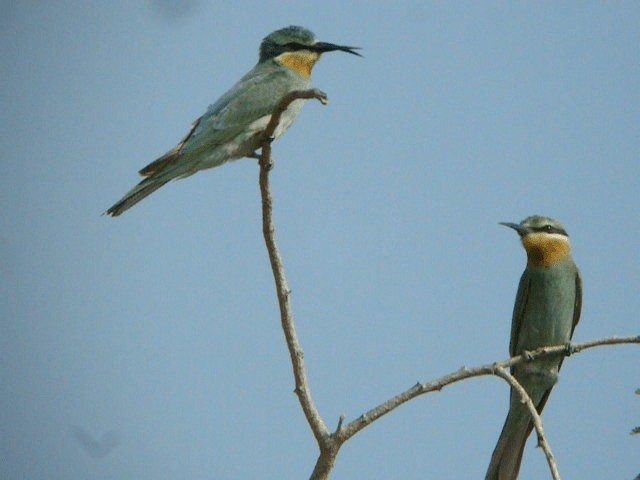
[(300, 62), (544, 250)]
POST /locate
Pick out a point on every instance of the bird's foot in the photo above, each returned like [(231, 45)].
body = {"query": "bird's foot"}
[(527, 355), (320, 96), (568, 349), (258, 157)]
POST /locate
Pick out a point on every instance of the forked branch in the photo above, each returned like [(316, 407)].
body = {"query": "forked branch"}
[(330, 443), (535, 418)]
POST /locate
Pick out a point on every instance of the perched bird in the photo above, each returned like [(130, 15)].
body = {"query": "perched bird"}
[(546, 312), (232, 127)]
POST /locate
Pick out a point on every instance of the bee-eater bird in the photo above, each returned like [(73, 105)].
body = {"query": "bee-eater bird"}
[(546, 312), (232, 127)]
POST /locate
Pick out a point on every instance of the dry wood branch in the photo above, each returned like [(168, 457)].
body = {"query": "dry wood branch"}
[(309, 408), (330, 443), (535, 418), (436, 385)]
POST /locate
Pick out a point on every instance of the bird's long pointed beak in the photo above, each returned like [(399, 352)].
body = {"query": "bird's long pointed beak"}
[(332, 47), (516, 226)]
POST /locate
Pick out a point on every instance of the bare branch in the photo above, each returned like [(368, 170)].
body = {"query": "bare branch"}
[(436, 385), (325, 462), (535, 418), (330, 443), (309, 408)]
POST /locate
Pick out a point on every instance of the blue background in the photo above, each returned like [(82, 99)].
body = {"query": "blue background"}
[(162, 325)]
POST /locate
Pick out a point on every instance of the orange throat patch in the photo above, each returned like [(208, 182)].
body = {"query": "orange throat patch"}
[(544, 250), (300, 62)]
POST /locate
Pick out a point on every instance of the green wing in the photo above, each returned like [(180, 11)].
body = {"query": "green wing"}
[(577, 306), (519, 308), (253, 97)]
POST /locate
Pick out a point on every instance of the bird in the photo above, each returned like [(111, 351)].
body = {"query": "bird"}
[(546, 312), (232, 127)]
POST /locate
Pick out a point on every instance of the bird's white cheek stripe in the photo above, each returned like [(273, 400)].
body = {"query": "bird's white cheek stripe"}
[(548, 237)]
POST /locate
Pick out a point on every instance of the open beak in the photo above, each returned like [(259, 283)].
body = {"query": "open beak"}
[(322, 47)]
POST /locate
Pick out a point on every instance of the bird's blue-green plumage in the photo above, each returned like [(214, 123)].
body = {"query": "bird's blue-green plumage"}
[(546, 312), (275, 43), (253, 98), (232, 127)]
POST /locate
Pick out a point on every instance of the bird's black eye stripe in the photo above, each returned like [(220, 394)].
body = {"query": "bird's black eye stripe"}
[(293, 46), (551, 229)]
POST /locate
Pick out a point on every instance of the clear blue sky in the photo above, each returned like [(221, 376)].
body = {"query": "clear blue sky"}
[(162, 325)]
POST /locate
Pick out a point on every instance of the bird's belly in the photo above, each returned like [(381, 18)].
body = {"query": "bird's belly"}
[(289, 116), (250, 140)]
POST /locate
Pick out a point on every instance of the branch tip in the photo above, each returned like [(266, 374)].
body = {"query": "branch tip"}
[(340, 427)]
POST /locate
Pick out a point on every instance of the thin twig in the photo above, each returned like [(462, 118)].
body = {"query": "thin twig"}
[(375, 413), (302, 390), (535, 418)]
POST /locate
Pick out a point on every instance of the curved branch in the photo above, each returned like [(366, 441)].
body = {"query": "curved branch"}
[(535, 418), (302, 390), (375, 413), (330, 443)]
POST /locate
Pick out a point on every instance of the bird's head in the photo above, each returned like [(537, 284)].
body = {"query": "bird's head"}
[(297, 48), (544, 239)]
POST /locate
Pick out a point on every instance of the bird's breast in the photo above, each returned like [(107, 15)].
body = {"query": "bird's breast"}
[(548, 314), (544, 250)]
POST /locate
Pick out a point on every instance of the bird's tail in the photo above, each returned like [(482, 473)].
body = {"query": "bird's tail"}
[(506, 458), (158, 173), (145, 188)]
